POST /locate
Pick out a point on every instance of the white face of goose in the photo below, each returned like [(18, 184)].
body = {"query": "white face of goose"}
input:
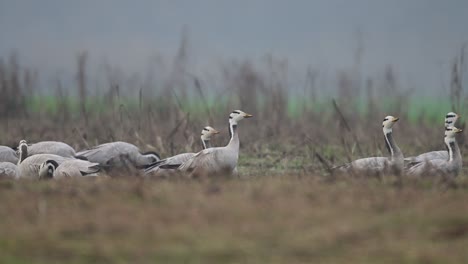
[(208, 132), (47, 169), (238, 115), (450, 132), (388, 123), (450, 119)]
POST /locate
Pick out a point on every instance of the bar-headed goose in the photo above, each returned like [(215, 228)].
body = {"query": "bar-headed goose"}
[(29, 166), (68, 168), (378, 165), (118, 154), (8, 154), (51, 147), (450, 166), (216, 161), (450, 120), (155, 170)]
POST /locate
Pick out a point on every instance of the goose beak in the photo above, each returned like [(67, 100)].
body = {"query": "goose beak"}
[(395, 119), (247, 115), (459, 116), (215, 131), (458, 130)]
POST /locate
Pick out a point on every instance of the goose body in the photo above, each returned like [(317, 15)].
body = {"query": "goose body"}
[(8, 170), (8, 154), (29, 167), (378, 165), (68, 168), (156, 170), (450, 166), (219, 160), (51, 147), (450, 120), (118, 154)]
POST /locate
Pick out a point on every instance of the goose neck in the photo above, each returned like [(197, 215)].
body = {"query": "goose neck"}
[(392, 147)]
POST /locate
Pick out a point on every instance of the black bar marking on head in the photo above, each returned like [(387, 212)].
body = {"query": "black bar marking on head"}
[(449, 116)]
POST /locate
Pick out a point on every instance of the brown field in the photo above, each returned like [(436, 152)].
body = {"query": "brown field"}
[(287, 219)]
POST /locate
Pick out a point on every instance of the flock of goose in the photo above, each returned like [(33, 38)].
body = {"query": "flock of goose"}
[(444, 162), (52, 159)]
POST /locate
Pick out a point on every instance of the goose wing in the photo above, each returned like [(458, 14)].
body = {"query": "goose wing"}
[(176, 160), (210, 162), (51, 147), (442, 154), (431, 167), (76, 168), (108, 151)]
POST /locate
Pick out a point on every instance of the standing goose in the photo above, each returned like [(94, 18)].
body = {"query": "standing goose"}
[(29, 166), (8, 154), (68, 168), (118, 154), (450, 166), (51, 147), (377, 165), (155, 169), (216, 161), (450, 120)]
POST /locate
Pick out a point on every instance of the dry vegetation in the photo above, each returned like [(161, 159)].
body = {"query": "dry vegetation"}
[(284, 208)]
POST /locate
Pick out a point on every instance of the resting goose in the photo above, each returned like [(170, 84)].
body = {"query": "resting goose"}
[(451, 166), (450, 120), (216, 161), (378, 165), (155, 170), (118, 154), (68, 168), (29, 166)]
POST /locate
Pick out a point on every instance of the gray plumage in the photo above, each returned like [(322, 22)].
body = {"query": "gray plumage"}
[(117, 154), (450, 166), (156, 171), (220, 161), (51, 147), (8, 170), (450, 120), (68, 168), (29, 167), (378, 165), (8, 154)]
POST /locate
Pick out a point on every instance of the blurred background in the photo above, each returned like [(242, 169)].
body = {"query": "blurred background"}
[(155, 72)]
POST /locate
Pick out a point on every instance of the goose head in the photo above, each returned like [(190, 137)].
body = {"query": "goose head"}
[(47, 169), (23, 146), (451, 118), (208, 132), (238, 115), (450, 132), (388, 123), (151, 157)]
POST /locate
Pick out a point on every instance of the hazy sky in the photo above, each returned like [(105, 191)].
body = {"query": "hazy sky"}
[(418, 37)]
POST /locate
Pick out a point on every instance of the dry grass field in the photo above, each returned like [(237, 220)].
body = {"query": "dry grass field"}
[(280, 219)]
